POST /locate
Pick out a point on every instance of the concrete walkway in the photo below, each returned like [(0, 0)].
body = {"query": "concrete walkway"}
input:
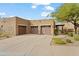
[(34, 45)]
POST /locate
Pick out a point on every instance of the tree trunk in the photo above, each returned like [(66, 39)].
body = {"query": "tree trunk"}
[(75, 27), (75, 30)]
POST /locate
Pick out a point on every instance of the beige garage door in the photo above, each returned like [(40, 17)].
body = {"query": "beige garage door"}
[(45, 30), (21, 30), (34, 29)]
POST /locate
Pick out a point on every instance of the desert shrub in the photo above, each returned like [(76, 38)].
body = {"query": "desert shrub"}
[(1, 34), (76, 37), (70, 34), (58, 41), (56, 31), (68, 41), (60, 31), (4, 34), (65, 31)]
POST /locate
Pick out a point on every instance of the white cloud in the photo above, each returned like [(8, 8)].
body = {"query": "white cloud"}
[(34, 5), (41, 3), (2, 13), (49, 8), (11, 16), (47, 11), (44, 14)]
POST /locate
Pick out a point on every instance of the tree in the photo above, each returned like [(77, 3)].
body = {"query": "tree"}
[(68, 12)]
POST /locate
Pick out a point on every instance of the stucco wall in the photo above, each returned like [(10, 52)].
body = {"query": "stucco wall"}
[(9, 26), (44, 22), (22, 22), (41, 22)]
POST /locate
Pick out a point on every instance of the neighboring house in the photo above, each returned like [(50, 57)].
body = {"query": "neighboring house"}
[(18, 26), (59, 27), (64, 27), (68, 25)]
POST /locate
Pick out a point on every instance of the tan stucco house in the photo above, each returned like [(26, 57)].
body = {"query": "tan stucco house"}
[(18, 26)]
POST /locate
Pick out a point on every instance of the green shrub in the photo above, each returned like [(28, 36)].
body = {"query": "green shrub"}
[(76, 37), (70, 34), (68, 41), (58, 41), (65, 31), (56, 31), (4, 34), (1, 34)]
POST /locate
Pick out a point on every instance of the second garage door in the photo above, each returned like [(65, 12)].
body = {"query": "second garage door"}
[(45, 30), (34, 29)]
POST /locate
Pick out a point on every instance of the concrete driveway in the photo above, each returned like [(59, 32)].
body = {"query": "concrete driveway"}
[(26, 45), (34, 45)]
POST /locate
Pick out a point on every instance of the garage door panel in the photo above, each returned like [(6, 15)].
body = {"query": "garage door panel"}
[(46, 30), (21, 30), (34, 29)]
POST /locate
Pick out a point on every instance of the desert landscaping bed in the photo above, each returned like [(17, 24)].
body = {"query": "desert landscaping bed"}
[(65, 40)]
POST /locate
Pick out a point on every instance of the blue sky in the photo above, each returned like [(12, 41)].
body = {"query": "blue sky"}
[(27, 10)]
